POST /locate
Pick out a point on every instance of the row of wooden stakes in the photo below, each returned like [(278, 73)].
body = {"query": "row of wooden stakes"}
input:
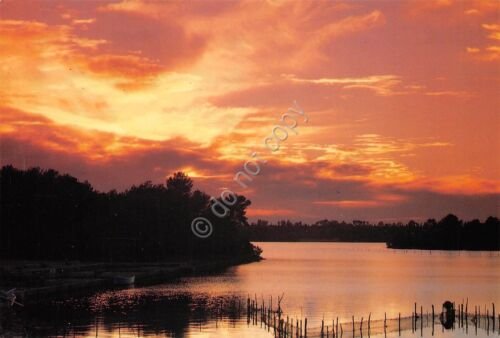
[(273, 319)]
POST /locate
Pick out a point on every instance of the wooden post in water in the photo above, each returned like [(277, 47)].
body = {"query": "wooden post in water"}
[(337, 328), (456, 314), (475, 315), (479, 315), (493, 317), (433, 319), (461, 311), (488, 321), (353, 329), (322, 327), (341, 331), (466, 321), (421, 320), (466, 312), (385, 324), (399, 324), (305, 327), (413, 321), (274, 324), (369, 323), (361, 327)]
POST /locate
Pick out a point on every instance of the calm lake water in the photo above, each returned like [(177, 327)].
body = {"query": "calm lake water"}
[(318, 280)]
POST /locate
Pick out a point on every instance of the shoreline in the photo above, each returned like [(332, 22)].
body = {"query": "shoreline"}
[(387, 245), (42, 280)]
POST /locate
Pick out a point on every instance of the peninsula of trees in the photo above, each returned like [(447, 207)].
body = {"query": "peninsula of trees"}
[(48, 216)]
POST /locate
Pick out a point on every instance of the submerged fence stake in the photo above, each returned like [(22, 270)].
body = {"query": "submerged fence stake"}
[(493, 317), (337, 328), (369, 326), (399, 323), (488, 319), (421, 320)]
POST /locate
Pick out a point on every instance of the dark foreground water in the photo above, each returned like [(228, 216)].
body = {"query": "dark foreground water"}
[(318, 281)]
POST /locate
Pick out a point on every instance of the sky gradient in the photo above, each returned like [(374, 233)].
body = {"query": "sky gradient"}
[(402, 100)]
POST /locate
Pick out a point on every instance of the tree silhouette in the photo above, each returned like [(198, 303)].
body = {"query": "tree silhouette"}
[(45, 215)]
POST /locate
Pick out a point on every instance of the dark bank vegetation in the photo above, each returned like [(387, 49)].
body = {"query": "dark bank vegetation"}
[(46, 215), (449, 233)]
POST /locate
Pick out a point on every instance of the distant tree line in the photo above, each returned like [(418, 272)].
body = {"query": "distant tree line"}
[(324, 230), (46, 215), (449, 233)]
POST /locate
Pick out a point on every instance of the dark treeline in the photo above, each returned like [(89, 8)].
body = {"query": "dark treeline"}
[(46, 215), (325, 230), (449, 233)]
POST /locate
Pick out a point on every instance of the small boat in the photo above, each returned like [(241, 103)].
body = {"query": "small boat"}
[(123, 280)]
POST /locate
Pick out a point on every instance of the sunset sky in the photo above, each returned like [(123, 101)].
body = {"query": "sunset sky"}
[(402, 99)]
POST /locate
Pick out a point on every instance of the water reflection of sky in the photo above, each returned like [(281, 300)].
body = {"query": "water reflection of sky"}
[(321, 280)]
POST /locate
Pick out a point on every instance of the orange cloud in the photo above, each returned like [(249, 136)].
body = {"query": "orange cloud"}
[(461, 184), (380, 84), (127, 66), (254, 212), (401, 116)]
